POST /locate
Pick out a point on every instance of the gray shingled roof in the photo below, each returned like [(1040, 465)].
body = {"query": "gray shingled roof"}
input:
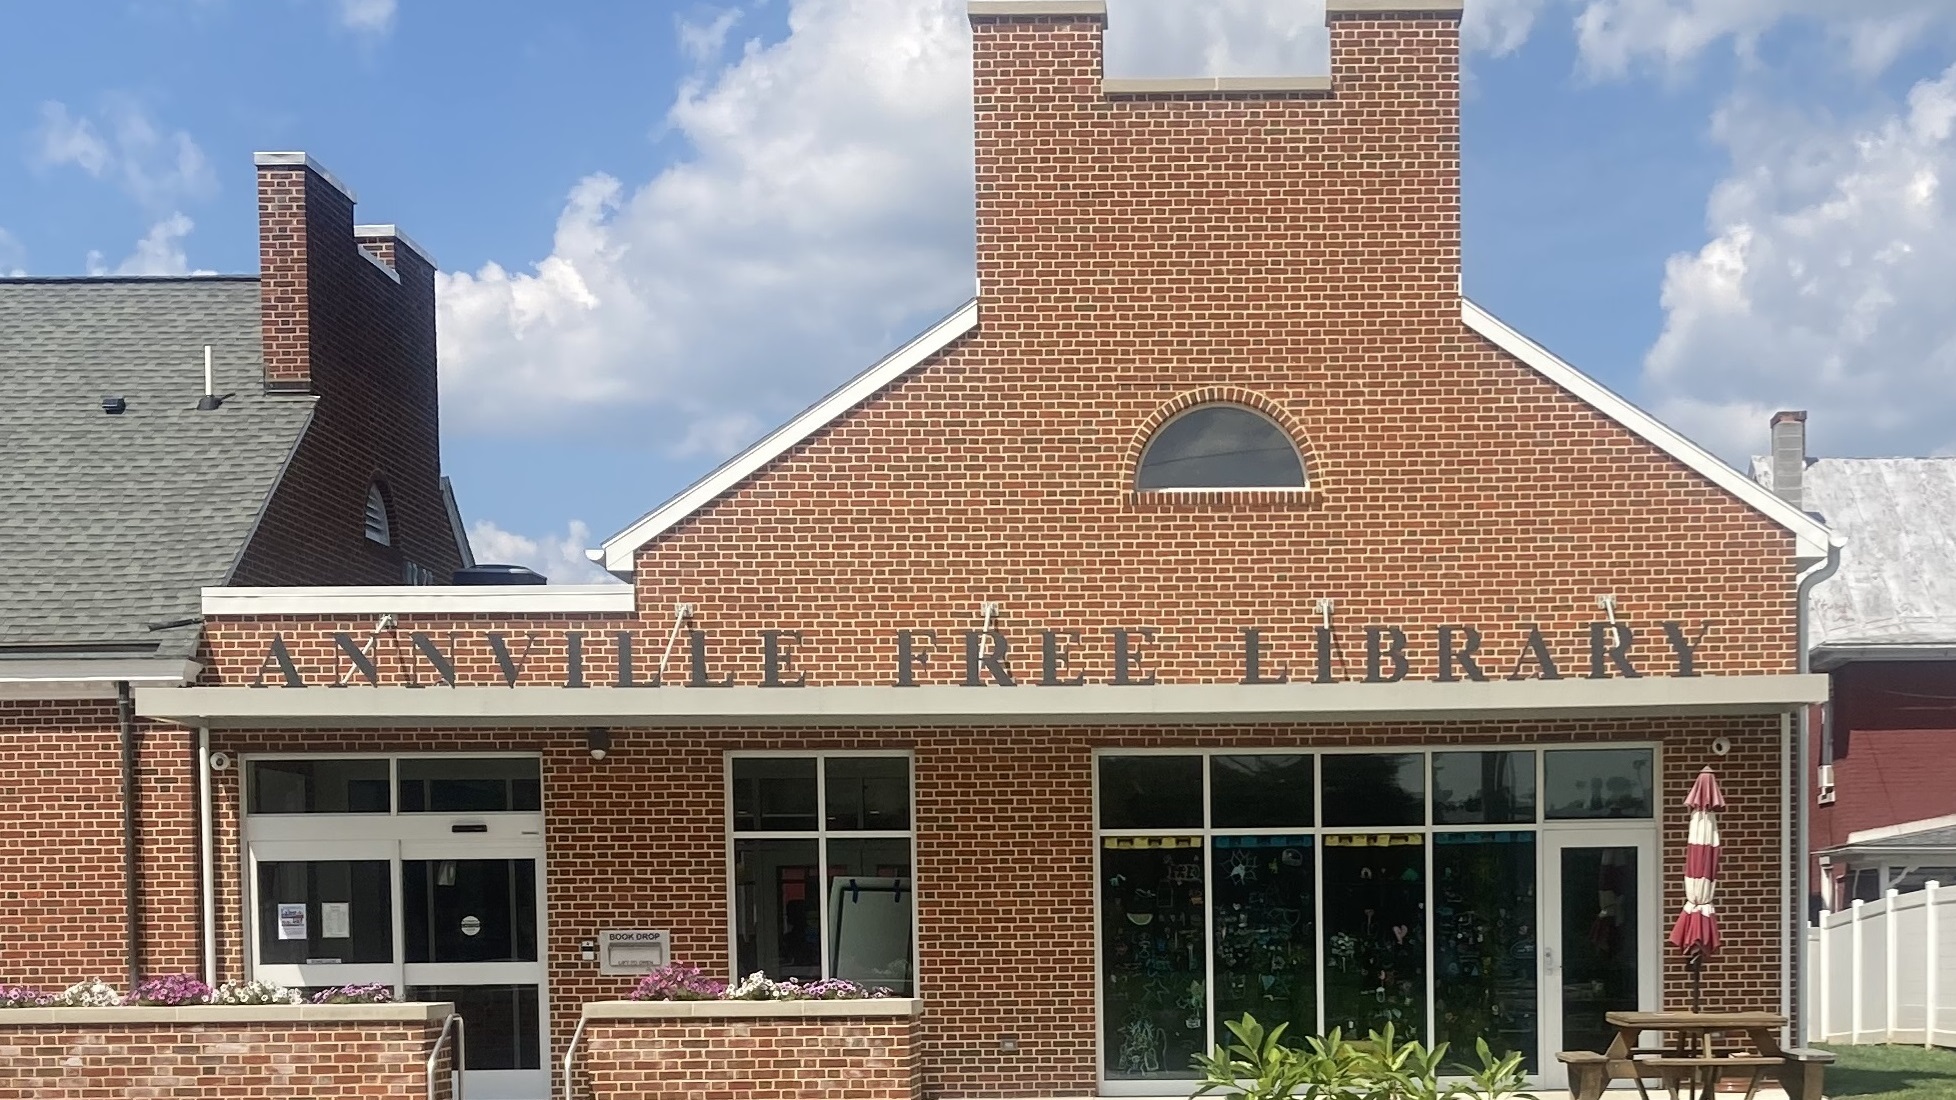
[(1943, 837), (111, 523), (1897, 580)]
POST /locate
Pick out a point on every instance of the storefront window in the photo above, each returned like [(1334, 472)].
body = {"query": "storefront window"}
[(1484, 941), (1375, 936), (1597, 783), (823, 868), (1375, 789), (328, 785), (434, 784), (1349, 890)]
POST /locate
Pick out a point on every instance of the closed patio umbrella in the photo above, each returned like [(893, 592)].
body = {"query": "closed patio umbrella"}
[(1696, 930)]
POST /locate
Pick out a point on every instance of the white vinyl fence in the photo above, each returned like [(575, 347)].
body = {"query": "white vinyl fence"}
[(1886, 971)]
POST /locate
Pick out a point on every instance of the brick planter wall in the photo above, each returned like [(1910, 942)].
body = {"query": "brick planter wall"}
[(213, 1051), (714, 1050)]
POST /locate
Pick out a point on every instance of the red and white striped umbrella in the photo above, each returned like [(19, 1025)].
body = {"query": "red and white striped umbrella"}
[(1696, 930)]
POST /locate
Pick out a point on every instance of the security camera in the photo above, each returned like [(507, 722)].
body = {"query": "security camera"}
[(220, 761), (1720, 746)]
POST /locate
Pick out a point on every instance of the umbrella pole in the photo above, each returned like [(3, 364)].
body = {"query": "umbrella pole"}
[(1697, 981)]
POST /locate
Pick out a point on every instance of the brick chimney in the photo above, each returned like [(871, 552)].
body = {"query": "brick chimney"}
[(1790, 456), (1098, 198)]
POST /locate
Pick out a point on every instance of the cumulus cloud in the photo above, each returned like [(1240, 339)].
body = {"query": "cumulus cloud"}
[(820, 215), (374, 17), (159, 252), (558, 557), (1824, 284), (121, 144), (1617, 35)]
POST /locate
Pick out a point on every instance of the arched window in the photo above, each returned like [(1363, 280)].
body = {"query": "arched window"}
[(378, 528), (1220, 447)]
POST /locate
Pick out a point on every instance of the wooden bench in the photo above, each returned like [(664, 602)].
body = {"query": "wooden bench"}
[(1587, 1072), (1804, 1071), (1704, 1072)]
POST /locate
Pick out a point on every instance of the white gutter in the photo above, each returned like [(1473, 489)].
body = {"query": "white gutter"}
[(943, 705), (1796, 1019)]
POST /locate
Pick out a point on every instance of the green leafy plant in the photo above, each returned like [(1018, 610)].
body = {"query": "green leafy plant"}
[(1259, 1065)]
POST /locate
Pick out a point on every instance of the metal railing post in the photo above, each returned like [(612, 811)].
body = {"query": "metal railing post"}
[(434, 1056)]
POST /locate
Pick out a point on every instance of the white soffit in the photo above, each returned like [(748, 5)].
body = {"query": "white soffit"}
[(1813, 537), (88, 678), (496, 599), (944, 705), (617, 552)]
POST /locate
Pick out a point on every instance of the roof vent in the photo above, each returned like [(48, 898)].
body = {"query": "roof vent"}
[(499, 574), (210, 400), (113, 404)]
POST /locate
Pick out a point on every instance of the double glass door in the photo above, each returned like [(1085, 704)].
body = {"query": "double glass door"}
[(433, 902)]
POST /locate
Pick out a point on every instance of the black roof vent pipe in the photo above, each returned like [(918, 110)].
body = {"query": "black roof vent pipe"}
[(499, 574)]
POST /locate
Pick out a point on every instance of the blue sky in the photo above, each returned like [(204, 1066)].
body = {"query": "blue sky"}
[(670, 225)]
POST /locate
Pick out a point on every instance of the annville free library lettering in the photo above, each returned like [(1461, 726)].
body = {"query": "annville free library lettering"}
[(1216, 614)]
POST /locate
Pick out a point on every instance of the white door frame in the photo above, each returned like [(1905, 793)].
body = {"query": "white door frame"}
[(1641, 835)]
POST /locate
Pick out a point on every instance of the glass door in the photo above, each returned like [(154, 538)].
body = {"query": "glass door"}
[(471, 937), (1601, 939), (422, 873)]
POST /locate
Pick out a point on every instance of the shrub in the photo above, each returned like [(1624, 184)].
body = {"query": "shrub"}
[(678, 982), (355, 995), (94, 994), (1260, 1066), (19, 996), (171, 989), (254, 993)]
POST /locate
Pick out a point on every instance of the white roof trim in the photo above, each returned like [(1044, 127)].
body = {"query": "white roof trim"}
[(295, 160), (499, 599), (1889, 832), (88, 678), (400, 238), (1814, 538), (617, 551), (377, 262), (945, 705), (455, 522)]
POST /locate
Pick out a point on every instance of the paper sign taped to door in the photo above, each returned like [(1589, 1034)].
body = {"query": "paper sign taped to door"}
[(632, 951), (292, 921), (335, 920)]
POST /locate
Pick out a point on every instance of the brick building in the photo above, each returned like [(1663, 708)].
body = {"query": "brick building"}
[(1216, 614), (160, 436), (1882, 776)]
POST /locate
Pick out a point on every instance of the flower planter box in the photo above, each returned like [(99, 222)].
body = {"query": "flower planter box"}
[(212, 1051), (720, 1050)]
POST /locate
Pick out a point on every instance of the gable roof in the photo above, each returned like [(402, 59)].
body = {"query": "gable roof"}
[(618, 551), (111, 523), (1896, 585)]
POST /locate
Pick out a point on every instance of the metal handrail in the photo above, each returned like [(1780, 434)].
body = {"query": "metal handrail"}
[(434, 1056), (569, 1052)]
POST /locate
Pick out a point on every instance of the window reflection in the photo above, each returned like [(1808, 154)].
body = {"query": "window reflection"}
[(1597, 783)]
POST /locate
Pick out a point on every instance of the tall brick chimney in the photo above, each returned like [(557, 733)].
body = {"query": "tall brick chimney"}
[(1096, 197)]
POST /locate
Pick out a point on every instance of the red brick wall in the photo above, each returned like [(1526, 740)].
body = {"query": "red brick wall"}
[(219, 1061), (338, 326), (1894, 728), (831, 1058), (1004, 866), (61, 880)]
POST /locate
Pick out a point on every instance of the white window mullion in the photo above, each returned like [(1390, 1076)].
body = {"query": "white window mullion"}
[(822, 857)]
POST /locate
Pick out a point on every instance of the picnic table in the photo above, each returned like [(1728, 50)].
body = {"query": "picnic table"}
[(1689, 1057)]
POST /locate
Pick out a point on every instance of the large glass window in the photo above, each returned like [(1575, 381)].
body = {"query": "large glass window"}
[(823, 867), (328, 785), (1334, 889), (471, 785), (1220, 447)]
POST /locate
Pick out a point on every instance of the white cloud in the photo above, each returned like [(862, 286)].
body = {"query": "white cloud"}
[(375, 17), (1825, 283), (821, 216), (159, 252), (703, 41), (1618, 35), (558, 557), (124, 146)]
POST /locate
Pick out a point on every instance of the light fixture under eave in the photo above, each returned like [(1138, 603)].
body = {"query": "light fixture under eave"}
[(598, 740)]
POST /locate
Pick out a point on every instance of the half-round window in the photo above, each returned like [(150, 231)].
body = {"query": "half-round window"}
[(1221, 447)]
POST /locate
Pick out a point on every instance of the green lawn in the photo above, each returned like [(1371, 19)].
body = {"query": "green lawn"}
[(1892, 1073)]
